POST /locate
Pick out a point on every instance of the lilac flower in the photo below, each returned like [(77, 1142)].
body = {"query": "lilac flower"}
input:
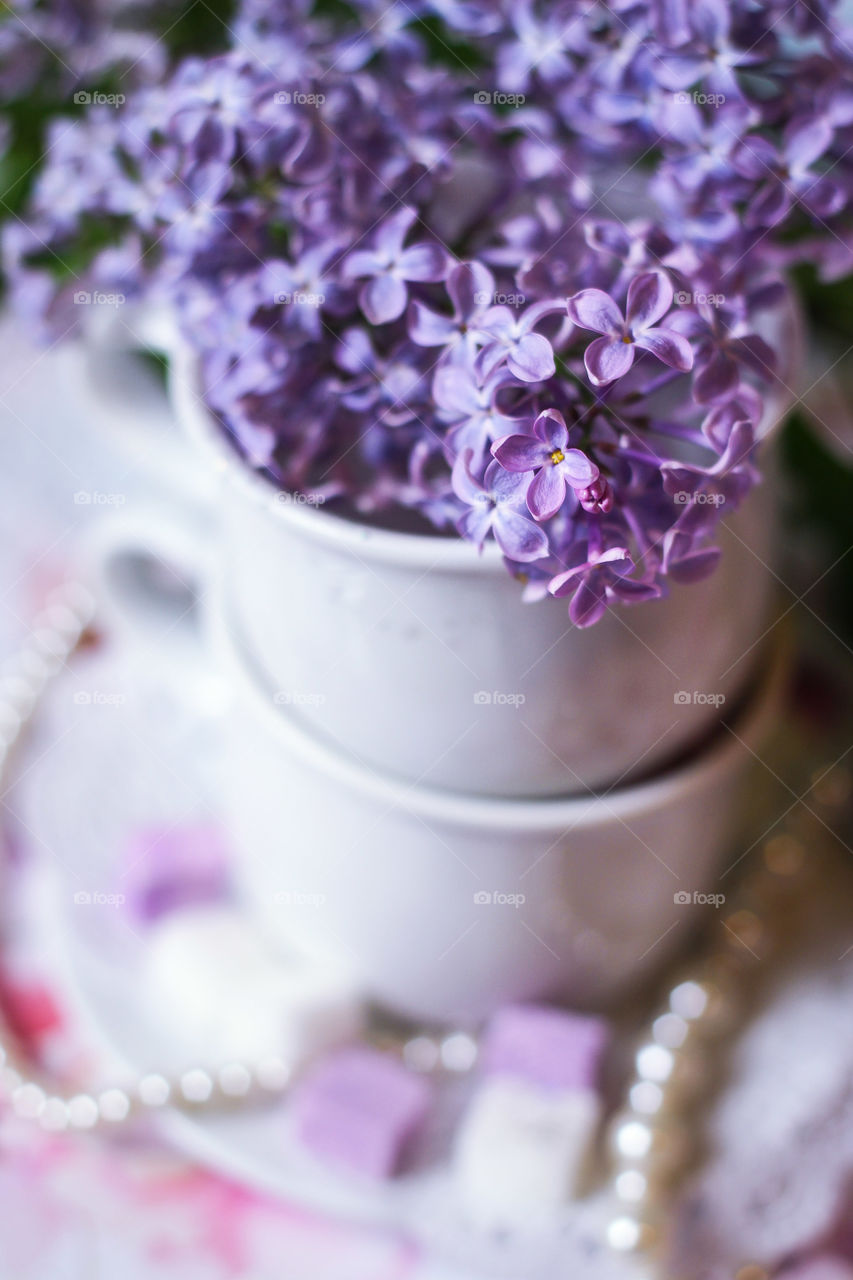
[(389, 386), (711, 54), (541, 44), (467, 401), (684, 560), (266, 173), (558, 468), (608, 358), (497, 507), (528, 354), (702, 489), (470, 287), (599, 580), (389, 266), (723, 350), (787, 175)]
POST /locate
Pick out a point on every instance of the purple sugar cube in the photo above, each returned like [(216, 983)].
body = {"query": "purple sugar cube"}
[(167, 868), (544, 1046), (359, 1109)]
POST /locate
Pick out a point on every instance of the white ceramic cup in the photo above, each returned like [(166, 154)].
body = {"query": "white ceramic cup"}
[(418, 655), (445, 906)]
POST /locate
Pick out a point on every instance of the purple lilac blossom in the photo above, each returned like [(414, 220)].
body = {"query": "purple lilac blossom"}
[(546, 452), (610, 357), (390, 266)]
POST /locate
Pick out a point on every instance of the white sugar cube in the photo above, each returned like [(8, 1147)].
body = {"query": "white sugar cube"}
[(520, 1150), (220, 995)]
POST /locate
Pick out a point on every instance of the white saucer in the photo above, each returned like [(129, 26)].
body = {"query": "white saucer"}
[(93, 771)]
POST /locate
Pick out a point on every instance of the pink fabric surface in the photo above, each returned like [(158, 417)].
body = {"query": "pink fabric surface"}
[(81, 1208)]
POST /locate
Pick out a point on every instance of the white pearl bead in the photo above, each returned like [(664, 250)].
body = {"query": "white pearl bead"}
[(654, 1062), (421, 1054), (235, 1080), (689, 1000), (633, 1139), (83, 1111), (29, 1101), (272, 1074), (624, 1234), (54, 1117), (646, 1097), (35, 668), (154, 1090), (113, 1105), (631, 1186), (19, 693), (49, 644), (59, 618), (670, 1030), (458, 1052), (196, 1085)]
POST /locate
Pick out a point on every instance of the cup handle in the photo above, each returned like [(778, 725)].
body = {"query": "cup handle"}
[(151, 563)]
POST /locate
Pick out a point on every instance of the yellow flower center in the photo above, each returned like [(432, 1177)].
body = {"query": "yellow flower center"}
[(557, 457)]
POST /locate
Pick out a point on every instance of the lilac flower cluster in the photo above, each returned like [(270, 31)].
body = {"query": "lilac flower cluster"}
[(61, 45), (510, 268)]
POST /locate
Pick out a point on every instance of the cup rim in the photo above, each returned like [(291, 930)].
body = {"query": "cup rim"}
[(501, 813), (413, 550)]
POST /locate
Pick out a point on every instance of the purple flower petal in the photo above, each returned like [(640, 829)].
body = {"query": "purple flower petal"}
[(392, 233), (476, 523), (588, 602), (755, 353), (520, 453), (770, 205), (550, 427), (616, 556), (364, 262), (465, 484), (607, 359), (594, 309), (505, 486), (565, 583), (718, 379), (670, 347), (428, 328), (649, 298), (824, 197), (695, 566), (423, 262), (547, 493), (499, 323), (807, 143), (627, 591), (470, 286), (532, 359), (756, 158), (578, 468), (518, 537), (383, 298)]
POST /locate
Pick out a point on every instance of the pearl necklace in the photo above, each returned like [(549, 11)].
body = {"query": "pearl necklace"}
[(650, 1139), (647, 1139)]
